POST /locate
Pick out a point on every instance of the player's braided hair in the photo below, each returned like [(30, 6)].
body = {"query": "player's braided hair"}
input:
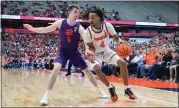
[(98, 13)]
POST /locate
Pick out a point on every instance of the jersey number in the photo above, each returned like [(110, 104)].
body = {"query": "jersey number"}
[(102, 44)]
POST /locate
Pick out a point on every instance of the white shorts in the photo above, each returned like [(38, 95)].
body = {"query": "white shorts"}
[(109, 56)]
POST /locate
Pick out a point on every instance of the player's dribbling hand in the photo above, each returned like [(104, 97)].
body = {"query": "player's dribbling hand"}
[(89, 55), (124, 42), (121, 42)]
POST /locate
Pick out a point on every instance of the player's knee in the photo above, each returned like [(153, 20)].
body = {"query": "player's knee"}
[(121, 62), (57, 66), (97, 69), (86, 70)]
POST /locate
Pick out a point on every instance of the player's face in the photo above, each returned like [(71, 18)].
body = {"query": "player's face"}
[(74, 13), (94, 19)]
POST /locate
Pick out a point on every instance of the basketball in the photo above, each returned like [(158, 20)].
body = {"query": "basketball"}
[(124, 50)]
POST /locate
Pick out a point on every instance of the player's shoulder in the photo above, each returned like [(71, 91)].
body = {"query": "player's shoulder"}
[(58, 23), (108, 24), (81, 28), (60, 20), (88, 29)]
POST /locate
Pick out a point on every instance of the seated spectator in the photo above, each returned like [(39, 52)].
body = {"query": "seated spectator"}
[(42, 63), (136, 61), (47, 64), (146, 57), (39, 63), (27, 65), (173, 67), (35, 63), (154, 57), (23, 62), (161, 72), (110, 69), (128, 61), (6, 64), (167, 57)]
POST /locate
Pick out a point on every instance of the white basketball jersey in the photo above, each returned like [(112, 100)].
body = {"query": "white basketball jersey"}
[(100, 38)]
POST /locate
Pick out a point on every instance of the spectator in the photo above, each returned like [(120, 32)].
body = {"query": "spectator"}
[(154, 57), (173, 66), (167, 57), (136, 61), (146, 57)]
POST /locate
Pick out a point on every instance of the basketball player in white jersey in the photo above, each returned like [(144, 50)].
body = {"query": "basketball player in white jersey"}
[(97, 50)]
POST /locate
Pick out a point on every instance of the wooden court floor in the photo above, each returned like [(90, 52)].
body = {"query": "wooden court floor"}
[(25, 88)]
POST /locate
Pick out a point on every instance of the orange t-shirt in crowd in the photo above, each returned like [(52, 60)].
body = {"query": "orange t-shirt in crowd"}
[(146, 57), (153, 58)]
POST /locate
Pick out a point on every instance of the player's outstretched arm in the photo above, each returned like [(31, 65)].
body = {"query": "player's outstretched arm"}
[(47, 29)]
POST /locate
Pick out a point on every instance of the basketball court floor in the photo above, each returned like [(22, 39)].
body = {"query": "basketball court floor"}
[(25, 88)]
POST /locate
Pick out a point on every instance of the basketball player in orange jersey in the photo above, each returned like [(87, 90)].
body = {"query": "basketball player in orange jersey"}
[(97, 42), (70, 32)]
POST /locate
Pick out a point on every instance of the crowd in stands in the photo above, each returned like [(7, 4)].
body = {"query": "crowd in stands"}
[(49, 9), (20, 45), (155, 60), (30, 50), (19, 49)]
